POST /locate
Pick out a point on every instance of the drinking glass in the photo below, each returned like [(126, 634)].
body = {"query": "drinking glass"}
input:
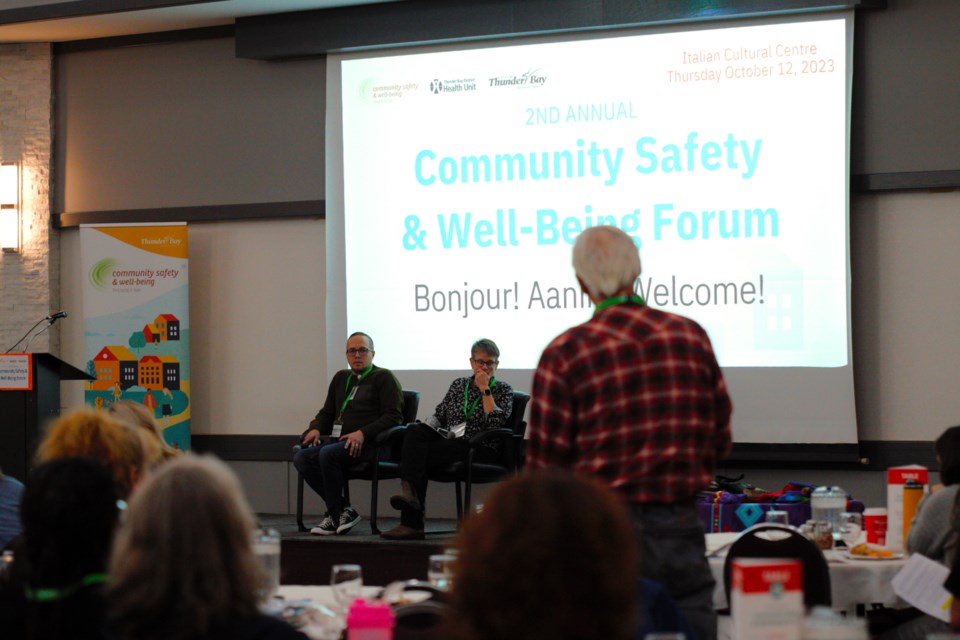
[(851, 525), (440, 570), (347, 583), (266, 546), (778, 517)]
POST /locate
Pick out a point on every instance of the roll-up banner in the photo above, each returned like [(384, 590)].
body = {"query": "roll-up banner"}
[(136, 321)]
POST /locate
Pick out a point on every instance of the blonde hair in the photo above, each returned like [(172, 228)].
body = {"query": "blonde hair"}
[(182, 562), (138, 415), (94, 434), (607, 261)]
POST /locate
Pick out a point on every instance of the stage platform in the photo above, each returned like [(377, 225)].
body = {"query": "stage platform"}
[(306, 559)]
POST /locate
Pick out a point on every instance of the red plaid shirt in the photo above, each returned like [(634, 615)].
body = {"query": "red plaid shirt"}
[(635, 398)]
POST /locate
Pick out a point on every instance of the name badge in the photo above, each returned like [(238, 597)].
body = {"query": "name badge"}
[(337, 429), (458, 430)]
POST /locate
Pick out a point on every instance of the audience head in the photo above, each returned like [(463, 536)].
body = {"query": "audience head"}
[(69, 512), (183, 558), (947, 447), (137, 415), (91, 433), (551, 556), (606, 261)]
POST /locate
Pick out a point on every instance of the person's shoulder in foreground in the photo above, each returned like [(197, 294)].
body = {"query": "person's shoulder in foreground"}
[(257, 627)]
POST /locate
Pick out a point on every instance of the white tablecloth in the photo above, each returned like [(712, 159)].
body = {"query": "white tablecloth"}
[(852, 582)]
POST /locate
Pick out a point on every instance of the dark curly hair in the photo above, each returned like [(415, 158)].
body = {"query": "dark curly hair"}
[(947, 447), (552, 556)]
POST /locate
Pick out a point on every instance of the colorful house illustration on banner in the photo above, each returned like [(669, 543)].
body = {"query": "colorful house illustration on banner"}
[(150, 334), (151, 373), (168, 326), (114, 365), (171, 373)]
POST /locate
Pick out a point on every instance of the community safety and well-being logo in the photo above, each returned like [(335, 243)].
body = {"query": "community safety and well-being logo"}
[(376, 90), (101, 273)]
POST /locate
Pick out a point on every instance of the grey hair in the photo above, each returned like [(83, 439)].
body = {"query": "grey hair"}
[(606, 260), (485, 345), (183, 559)]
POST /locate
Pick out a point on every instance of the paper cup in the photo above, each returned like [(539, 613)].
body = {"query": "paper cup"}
[(875, 524)]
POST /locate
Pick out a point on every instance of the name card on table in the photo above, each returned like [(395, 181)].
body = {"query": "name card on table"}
[(766, 598)]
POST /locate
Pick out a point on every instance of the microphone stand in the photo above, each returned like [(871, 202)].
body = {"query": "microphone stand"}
[(50, 320), (37, 334), (17, 343)]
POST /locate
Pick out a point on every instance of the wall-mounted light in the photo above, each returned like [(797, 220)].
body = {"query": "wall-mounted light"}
[(10, 207)]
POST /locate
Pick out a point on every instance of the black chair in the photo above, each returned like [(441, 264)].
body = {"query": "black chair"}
[(777, 541), (380, 468), (466, 473), (420, 620)]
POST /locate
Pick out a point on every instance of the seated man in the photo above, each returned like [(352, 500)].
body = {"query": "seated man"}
[(472, 404), (361, 402)]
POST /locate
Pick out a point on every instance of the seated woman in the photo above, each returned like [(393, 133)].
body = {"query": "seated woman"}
[(534, 565), (56, 585), (183, 566), (472, 404), (934, 534)]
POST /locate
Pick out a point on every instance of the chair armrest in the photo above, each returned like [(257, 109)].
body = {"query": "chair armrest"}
[(489, 435), (388, 436)]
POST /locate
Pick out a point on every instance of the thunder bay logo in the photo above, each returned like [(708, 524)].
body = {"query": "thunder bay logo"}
[(528, 79), (100, 273), (436, 86)]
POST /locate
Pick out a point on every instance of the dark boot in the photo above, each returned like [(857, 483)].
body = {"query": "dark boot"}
[(406, 499), (403, 532)]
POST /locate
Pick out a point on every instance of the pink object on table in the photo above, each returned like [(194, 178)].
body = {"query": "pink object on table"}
[(369, 621)]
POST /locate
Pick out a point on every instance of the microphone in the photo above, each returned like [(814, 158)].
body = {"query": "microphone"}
[(56, 316)]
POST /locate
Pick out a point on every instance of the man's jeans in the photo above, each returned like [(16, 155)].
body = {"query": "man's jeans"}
[(323, 468), (673, 552)]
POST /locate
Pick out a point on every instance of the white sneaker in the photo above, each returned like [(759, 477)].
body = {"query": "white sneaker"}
[(325, 528)]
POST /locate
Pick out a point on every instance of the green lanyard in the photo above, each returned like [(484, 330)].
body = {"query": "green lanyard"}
[(615, 300), (51, 595), (346, 390), (473, 407)]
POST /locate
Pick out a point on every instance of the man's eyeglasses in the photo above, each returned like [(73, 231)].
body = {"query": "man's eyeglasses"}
[(486, 363), (361, 351)]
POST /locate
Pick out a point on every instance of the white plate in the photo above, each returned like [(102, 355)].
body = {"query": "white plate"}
[(850, 556)]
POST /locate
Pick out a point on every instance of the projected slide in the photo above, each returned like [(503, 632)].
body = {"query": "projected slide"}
[(722, 152)]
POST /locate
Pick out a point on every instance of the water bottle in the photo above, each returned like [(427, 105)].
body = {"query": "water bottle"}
[(912, 493), (827, 503)]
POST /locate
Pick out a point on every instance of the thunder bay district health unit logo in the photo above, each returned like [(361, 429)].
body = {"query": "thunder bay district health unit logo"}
[(456, 85)]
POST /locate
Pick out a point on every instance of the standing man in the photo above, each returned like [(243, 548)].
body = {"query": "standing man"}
[(361, 402), (635, 397)]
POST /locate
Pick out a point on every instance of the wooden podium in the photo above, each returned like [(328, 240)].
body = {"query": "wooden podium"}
[(23, 413)]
